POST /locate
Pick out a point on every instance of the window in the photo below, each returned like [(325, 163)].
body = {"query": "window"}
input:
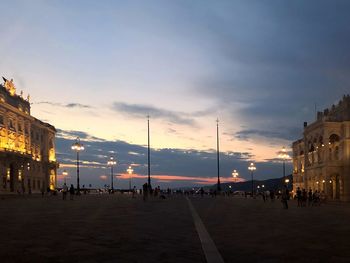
[(11, 125)]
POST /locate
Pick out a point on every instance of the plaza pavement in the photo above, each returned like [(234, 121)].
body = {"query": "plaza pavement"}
[(117, 228)]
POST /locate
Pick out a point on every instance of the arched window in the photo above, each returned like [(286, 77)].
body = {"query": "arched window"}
[(334, 138)]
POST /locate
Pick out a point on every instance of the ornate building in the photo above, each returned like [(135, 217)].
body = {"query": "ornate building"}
[(27, 145), (321, 159)]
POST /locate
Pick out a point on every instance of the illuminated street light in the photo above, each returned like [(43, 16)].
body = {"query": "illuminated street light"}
[(252, 168), (130, 171), (77, 147), (65, 174), (111, 162), (235, 175), (284, 156)]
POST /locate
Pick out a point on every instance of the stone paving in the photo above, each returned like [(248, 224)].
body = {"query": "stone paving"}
[(117, 228)]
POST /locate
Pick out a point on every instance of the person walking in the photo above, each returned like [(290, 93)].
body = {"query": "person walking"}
[(285, 197), (202, 192), (304, 197), (272, 195), (64, 191), (310, 197), (299, 197), (133, 192), (71, 192), (145, 191)]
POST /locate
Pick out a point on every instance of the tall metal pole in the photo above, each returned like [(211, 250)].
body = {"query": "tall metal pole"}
[(112, 177), (252, 183), (284, 169), (78, 181), (149, 156), (218, 154), (130, 182)]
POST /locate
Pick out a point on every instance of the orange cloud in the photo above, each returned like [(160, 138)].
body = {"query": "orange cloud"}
[(171, 178)]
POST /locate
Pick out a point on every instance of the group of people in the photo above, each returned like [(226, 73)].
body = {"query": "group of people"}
[(65, 191), (311, 198), (148, 191)]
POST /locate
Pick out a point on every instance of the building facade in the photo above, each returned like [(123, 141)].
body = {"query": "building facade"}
[(27, 146), (321, 159)]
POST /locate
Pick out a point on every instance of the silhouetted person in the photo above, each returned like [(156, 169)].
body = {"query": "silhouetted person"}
[(272, 195), (285, 197), (71, 192), (310, 197), (304, 197), (133, 192), (202, 191), (299, 197), (64, 191), (145, 191)]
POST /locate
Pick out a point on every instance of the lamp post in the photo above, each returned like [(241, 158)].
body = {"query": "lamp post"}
[(235, 175), (149, 155), (78, 146), (252, 168), (218, 154), (284, 156), (111, 162), (65, 174), (130, 171)]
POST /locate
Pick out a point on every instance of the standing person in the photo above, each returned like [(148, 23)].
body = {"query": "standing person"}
[(145, 191), (310, 197), (263, 196), (64, 191), (133, 192), (202, 192), (285, 197), (71, 192), (304, 197), (272, 195), (299, 197)]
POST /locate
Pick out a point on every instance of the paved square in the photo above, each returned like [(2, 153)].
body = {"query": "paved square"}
[(117, 228)]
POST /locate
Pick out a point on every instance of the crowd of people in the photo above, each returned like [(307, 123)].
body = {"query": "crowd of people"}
[(304, 198), (309, 197)]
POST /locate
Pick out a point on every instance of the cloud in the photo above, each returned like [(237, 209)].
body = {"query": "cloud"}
[(72, 135), (141, 111), (281, 133), (65, 105)]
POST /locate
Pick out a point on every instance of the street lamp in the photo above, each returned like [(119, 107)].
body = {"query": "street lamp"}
[(65, 174), (77, 146), (284, 156), (111, 162), (130, 171), (252, 168), (235, 174)]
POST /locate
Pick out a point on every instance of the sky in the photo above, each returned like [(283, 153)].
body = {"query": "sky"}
[(96, 69)]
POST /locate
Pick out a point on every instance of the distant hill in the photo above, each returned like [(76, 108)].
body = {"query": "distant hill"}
[(269, 184)]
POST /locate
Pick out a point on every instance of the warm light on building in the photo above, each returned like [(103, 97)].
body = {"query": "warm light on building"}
[(25, 143)]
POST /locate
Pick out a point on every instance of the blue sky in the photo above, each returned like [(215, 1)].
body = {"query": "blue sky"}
[(97, 68)]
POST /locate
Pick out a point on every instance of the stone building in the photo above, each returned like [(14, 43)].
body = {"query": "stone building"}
[(321, 159), (27, 146)]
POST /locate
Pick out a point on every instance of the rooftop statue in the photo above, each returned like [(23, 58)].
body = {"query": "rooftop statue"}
[(10, 86)]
